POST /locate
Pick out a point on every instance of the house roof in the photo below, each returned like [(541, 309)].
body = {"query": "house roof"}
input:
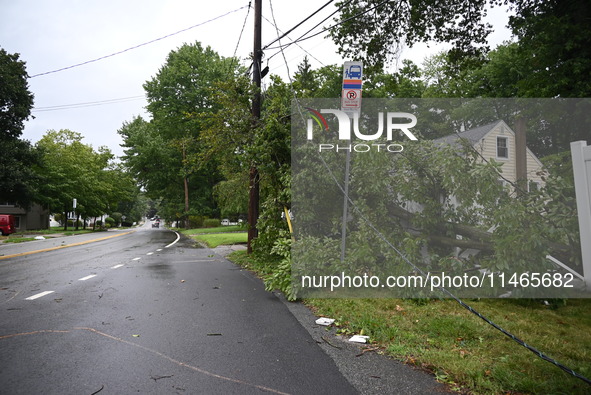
[(472, 135)]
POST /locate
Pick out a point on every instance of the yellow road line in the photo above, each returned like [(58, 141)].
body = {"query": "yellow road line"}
[(64, 246)]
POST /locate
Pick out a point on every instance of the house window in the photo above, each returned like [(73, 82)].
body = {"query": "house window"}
[(502, 148)]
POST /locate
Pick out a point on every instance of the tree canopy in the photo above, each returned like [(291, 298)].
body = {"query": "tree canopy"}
[(17, 180)]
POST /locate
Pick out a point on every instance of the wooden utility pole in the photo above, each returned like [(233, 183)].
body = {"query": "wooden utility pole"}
[(253, 197), (521, 156)]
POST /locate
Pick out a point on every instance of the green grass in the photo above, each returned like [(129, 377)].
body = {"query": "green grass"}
[(213, 237), (465, 352), (219, 229), (18, 239), (58, 230), (461, 349)]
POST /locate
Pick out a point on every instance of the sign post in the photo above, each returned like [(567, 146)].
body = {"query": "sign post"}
[(581, 157), (350, 104)]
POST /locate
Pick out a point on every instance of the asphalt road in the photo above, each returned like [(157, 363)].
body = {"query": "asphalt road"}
[(145, 313)]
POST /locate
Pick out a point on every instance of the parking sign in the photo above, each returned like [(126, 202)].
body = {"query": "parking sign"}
[(352, 85)]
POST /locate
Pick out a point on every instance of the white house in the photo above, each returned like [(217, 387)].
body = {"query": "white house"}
[(499, 142)]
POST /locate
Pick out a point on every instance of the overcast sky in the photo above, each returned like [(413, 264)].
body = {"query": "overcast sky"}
[(51, 35)]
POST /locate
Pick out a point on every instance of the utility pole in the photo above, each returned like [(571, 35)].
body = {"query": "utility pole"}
[(253, 196)]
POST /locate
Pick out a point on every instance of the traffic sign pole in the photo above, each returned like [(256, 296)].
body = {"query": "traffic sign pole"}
[(351, 104)]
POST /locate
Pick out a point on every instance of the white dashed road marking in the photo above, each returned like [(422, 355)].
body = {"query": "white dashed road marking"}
[(149, 253), (39, 295), (87, 277), (117, 266), (136, 259)]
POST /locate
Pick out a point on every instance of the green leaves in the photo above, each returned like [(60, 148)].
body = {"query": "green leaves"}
[(71, 169), (16, 100)]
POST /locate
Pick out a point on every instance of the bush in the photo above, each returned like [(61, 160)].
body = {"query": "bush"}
[(116, 217), (72, 223), (196, 221), (211, 223), (109, 222)]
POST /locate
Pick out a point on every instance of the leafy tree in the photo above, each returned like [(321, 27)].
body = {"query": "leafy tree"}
[(73, 170), (373, 30), (555, 38), (16, 100), (148, 157), (304, 80), (17, 180), (179, 96), (550, 58)]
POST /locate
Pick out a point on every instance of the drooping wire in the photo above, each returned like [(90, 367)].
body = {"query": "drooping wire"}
[(303, 37), (242, 31), (139, 45), (302, 48), (279, 39), (298, 25)]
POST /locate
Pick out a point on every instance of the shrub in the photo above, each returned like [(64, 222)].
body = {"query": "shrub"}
[(196, 221), (109, 222), (72, 223), (211, 223), (116, 217)]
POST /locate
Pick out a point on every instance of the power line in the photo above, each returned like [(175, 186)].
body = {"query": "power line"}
[(242, 31), (87, 104), (296, 26), (279, 31), (282, 47), (139, 45), (302, 37)]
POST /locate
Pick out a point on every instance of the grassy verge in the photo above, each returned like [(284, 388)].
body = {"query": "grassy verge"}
[(219, 229), (213, 237), (18, 239), (20, 236), (464, 351)]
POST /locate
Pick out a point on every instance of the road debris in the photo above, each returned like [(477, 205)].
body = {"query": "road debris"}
[(359, 339), (155, 378), (324, 321), (96, 392), (329, 342)]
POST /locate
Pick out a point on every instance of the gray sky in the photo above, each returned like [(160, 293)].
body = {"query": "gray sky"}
[(55, 34)]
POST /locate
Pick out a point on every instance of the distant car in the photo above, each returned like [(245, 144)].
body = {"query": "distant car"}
[(156, 225), (7, 224), (225, 222)]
